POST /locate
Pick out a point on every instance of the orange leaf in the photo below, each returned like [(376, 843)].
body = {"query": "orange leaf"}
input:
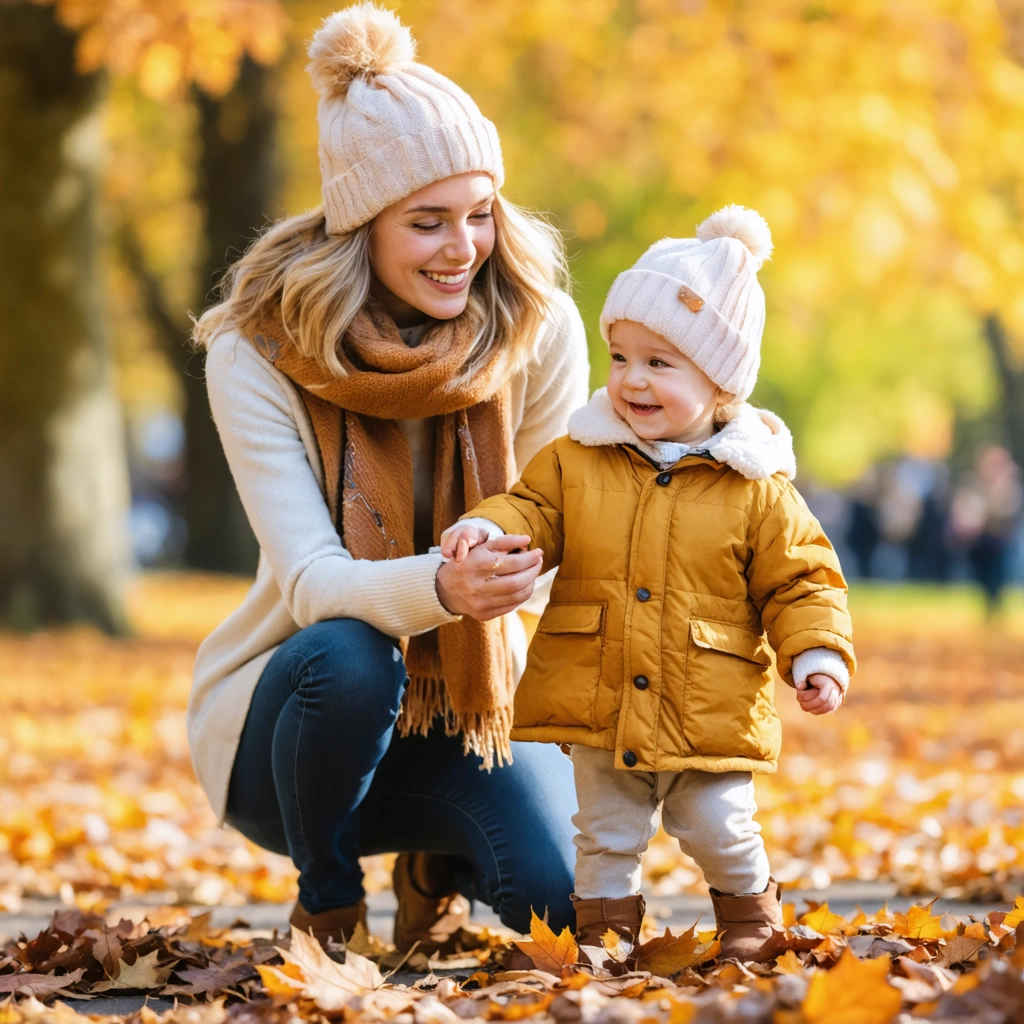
[(789, 963), (669, 954), (1015, 916), (824, 921), (549, 952), (280, 982), (919, 923), (853, 992)]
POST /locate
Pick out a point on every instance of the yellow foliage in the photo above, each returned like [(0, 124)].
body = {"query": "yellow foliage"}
[(169, 44), (853, 992)]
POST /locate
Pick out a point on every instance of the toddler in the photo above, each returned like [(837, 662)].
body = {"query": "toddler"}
[(685, 557)]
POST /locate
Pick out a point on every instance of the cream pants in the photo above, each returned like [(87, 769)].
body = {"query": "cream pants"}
[(711, 814)]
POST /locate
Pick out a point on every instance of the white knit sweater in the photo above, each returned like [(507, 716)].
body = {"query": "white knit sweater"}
[(305, 574)]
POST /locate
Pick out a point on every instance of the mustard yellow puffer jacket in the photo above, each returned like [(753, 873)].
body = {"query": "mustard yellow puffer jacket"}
[(671, 586)]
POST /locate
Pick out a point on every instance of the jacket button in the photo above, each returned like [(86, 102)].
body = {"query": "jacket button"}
[(641, 682), (629, 758), (643, 594), (664, 479)]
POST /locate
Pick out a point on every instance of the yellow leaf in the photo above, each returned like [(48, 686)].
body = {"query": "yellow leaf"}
[(549, 952), (669, 954), (281, 985), (852, 992), (1015, 916), (919, 923), (823, 921), (789, 963)]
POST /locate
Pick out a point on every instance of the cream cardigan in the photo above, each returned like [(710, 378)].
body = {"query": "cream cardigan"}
[(305, 575)]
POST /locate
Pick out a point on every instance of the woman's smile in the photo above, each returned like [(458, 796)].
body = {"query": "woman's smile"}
[(450, 282)]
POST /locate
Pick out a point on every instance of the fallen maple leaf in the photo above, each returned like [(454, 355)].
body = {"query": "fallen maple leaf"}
[(853, 992), (214, 978), (669, 954), (823, 921), (919, 923), (283, 984), (549, 952), (329, 984), (144, 974), (789, 963), (1015, 916)]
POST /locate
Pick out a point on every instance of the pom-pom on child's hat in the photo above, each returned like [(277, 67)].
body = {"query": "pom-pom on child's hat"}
[(702, 295), (388, 126)]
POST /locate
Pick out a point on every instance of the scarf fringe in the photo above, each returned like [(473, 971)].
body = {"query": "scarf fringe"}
[(484, 733)]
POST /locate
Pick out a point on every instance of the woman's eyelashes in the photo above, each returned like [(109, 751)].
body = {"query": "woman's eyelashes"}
[(429, 228)]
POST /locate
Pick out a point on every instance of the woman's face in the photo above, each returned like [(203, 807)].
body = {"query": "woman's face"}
[(426, 249)]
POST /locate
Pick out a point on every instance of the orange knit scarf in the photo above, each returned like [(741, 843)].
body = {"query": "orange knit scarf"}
[(461, 671)]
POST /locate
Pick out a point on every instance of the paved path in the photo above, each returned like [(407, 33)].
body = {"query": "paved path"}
[(677, 912)]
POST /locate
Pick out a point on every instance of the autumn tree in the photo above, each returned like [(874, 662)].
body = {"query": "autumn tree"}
[(62, 531), (883, 142)]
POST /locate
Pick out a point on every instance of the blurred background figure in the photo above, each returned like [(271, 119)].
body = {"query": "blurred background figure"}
[(985, 520)]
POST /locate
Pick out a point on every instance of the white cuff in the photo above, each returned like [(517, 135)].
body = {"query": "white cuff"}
[(823, 660)]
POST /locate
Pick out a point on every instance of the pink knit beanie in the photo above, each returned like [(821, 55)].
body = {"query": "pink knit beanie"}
[(702, 295), (388, 126)]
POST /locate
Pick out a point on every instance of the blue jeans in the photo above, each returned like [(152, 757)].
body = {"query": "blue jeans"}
[(321, 775)]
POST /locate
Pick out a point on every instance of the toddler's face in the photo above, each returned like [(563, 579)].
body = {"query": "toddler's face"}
[(660, 393)]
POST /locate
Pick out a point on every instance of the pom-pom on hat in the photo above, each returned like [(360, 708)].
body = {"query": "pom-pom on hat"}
[(388, 126), (702, 295)]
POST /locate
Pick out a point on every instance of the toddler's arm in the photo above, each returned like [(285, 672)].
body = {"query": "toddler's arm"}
[(532, 507), (798, 586)]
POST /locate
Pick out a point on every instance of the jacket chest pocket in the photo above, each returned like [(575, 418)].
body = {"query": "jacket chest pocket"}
[(729, 695), (563, 671)]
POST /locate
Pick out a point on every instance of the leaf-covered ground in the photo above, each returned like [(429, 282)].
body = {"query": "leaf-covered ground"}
[(919, 779), (869, 970)]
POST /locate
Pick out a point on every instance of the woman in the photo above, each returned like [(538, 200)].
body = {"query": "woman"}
[(375, 368)]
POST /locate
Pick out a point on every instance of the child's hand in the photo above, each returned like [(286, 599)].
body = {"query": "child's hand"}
[(819, 694), (458, 540)]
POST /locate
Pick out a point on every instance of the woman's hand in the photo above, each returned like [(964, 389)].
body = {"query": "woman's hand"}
[(490, 581)]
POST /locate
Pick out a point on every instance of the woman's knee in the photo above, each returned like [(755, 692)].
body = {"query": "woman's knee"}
[(350, 661)]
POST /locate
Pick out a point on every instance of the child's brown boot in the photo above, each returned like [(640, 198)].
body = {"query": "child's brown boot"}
[(595, 917), (750, 927)]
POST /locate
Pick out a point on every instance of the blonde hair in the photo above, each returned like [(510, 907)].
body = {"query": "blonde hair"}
[(314, 283)]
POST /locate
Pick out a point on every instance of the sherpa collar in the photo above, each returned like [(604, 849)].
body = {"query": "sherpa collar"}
[(755, 442)]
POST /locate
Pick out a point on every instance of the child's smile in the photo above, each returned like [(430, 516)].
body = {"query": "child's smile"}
[(658, 391)]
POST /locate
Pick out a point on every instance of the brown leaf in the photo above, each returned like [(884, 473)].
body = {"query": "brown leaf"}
[(215, 978), (145, 974), (548, 951), (29, 984), (959, 949)]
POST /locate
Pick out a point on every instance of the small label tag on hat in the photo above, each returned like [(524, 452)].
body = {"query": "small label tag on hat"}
[(693, 302)]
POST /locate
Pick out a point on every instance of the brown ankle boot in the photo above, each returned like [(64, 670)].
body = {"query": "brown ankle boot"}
[(431, 911), (750, 927), (593, 919), (337, 924)]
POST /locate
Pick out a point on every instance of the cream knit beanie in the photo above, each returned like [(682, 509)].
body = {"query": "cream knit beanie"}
[(702, 295), (388, 126)]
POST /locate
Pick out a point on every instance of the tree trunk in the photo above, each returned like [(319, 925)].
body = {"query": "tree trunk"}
[(237, 185), (63, 478), (1011, 380)]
